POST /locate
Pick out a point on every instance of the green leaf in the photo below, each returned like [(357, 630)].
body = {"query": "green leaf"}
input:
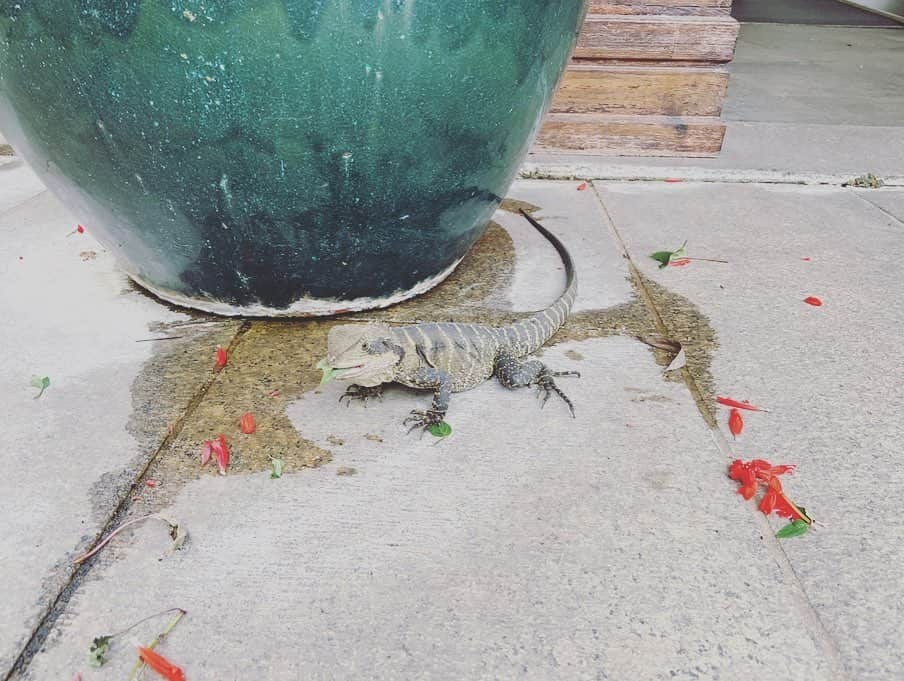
[(98, 650), (441, 429), (793, 529), (40, 382), (665, 257), (277, 468), (328, 371), (662, 257)]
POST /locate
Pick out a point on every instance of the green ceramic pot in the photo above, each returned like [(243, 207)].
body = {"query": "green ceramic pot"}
[(281, 157)]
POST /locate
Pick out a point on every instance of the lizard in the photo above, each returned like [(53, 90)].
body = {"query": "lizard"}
[(449, 357)]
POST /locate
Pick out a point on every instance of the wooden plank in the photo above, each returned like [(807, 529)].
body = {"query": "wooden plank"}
[(641, 90), (602, 134), (671, 10), (703, 7), (657, 37)]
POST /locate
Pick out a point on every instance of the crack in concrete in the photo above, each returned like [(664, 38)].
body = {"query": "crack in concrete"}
[(70, 583)]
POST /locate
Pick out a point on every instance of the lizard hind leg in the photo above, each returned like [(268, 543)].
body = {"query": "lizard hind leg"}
[(514, 373)]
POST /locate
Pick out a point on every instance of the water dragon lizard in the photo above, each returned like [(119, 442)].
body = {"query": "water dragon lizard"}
[(450, 357)]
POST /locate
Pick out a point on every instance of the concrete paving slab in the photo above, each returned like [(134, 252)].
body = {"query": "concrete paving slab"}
[(574, 216), (832, 375), (527, 545), (889, 200), (69, 457), (17, 184), (817, 74)]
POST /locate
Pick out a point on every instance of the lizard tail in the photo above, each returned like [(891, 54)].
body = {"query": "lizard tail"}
[(530, 334)]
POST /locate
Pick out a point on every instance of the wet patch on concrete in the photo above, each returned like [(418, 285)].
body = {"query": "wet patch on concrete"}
[(273, 364), (684, 323)]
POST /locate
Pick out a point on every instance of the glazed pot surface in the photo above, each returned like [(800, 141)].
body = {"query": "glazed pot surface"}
[(268, 157)]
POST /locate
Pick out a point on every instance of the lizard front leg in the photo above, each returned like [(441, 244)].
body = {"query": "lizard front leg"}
[(361, 392), (514, 373), (440, 382)]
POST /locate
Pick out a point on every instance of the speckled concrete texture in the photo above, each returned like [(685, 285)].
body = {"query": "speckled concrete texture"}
[(527, 545), (70, 457), (832, 375)]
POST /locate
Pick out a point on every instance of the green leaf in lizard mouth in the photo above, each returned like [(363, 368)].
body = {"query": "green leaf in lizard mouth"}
[(328, 371)]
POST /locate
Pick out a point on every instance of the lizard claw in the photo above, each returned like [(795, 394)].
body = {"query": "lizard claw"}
[(423, 419), (546, 386), (360, 392)]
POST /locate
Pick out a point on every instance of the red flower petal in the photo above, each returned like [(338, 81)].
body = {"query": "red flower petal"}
[(208, 451), (735, 423), (679, 262), (150, 483), (247, 423), (80, 229), (747, 491), (582, 186), (221, 357), (806, 259), (161, 665), (767, 504), (672, 179), (221, 452), (728, 402), (813, 300)]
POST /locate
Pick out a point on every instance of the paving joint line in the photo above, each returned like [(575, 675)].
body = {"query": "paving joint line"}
[(825, 639), (54, 610), (894, 217)]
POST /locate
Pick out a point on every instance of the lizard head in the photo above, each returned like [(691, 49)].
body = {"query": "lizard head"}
[(363, 354)]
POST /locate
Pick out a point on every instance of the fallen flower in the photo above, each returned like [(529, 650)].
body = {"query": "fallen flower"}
[(728, 402), (582, 186), (207, 452), (161, 665), (157, 639), (273, 393), (150, 483), (247, 423), (806, 259), (78, 230), (735, 423), (221, 358), (101, 644), (753, 472), (680, 262), (775, 500), (813, 300), (673, 179), (221, 453)]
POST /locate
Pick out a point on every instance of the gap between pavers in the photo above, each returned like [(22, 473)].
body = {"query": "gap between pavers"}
[(70, 457), (831, 375), (527, 543)]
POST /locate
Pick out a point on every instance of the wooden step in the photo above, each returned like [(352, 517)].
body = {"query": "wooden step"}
[(607, 135), (659, 37), (673, 7), (641, 90)]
